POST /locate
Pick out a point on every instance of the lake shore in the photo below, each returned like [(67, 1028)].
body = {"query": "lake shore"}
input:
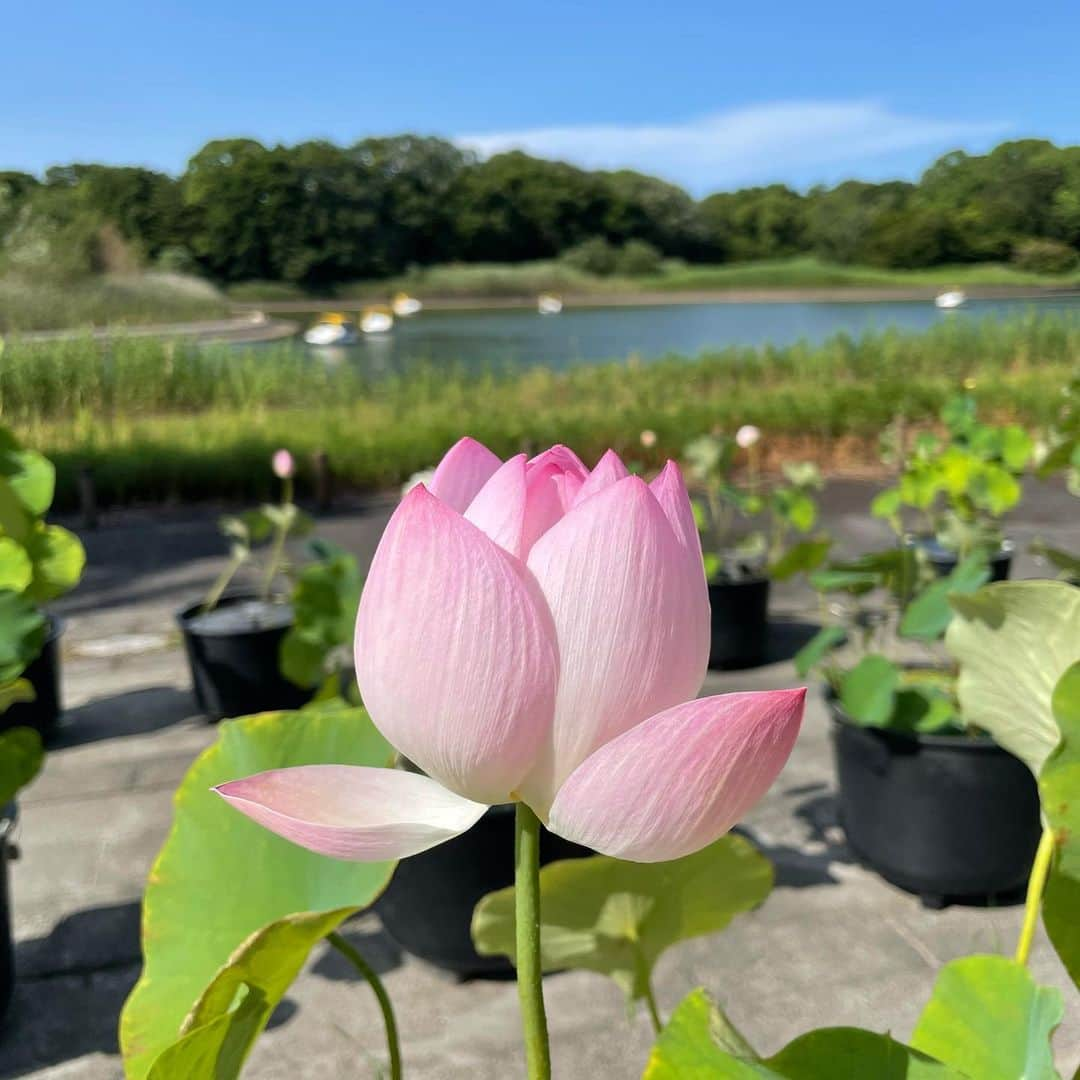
[(661, 297)]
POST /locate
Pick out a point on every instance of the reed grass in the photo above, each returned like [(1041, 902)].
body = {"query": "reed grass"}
[(161, 421)]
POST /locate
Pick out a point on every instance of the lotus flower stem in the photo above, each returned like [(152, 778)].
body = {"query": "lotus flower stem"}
[(527, 922), (654, 1012), (383, 998), (1036, 885)]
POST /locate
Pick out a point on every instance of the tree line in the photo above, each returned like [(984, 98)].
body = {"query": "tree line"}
[(317, 213)]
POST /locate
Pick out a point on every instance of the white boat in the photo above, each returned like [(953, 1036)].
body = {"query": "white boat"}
[(376, 321), (951, 300), (331, 329), (405, 305), (547, 304)]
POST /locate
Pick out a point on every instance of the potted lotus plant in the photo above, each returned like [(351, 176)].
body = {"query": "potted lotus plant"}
[(752, 532), (21, 753), (233, 637), (925, 797), (958, 485), (1060, 453), (39, 562)]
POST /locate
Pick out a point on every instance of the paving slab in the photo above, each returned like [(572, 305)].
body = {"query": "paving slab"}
[(833, 944)]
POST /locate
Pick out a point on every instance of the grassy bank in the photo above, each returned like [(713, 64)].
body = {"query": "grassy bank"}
[(162, 422), (27, 305), (497, 280)]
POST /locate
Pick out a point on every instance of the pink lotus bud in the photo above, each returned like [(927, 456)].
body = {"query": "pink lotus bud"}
[(747, 436), (648, 438), (283, 465), (560, 620)]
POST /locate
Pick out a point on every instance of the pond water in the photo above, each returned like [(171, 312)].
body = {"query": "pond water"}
[(578, 335)]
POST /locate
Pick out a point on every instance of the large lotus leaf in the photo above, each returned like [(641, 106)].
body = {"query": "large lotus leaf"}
[(1059, 786), (22, 633), (1014, 640), (221, 1029), (616, 918), (989, 1019), (58, 558), (699, 1043), (21, 756), (220, 877)]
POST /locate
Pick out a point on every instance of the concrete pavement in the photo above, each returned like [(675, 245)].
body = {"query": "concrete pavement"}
[(832, 945)]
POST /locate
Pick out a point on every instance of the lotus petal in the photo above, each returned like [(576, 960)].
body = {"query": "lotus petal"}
[(456, 655), (627, 613), (353, 811), (679, 780), (463, 471)]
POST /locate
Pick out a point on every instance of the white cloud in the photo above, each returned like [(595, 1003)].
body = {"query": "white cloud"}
[(756, 144)]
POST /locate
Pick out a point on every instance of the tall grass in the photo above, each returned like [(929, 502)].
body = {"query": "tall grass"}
[(27, 305), (161, 421)]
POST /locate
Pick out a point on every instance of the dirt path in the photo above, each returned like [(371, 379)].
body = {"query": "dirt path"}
[(246, 328)]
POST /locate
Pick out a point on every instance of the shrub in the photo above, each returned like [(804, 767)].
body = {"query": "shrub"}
[(638, 258), (593, 256), (1044, 256)]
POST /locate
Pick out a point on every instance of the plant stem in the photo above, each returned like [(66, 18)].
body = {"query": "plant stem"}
[(217, 590), (373, 980), (527, 929), (654, 1012), (1036, 884)]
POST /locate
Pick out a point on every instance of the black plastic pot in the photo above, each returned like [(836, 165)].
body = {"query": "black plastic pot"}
[(740, 623), (234, 669), (43, 674), (7, 945), (944, 561), (428, 907), (949, 817)]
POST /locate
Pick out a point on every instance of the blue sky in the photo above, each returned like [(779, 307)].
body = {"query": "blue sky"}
[(708, 94)]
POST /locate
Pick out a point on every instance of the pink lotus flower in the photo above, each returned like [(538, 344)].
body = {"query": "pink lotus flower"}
[(282, 463), (532, 630)]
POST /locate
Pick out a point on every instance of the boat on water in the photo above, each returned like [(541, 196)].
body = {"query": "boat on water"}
[(404, 305), (377, 320), (333, 328), (950, 300), (547, 304)]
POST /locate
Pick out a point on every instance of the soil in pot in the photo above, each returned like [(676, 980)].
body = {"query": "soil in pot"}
[(428, 906), (949, 817), (43, 674), (233, 654), (7, 947), (740, 623), (944, 560)]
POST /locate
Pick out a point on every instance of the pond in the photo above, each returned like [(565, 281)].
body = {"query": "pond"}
[(485, 338)]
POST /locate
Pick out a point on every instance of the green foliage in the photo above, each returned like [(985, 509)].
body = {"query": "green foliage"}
[(928, 615), (221, 878), (700, 1043), (868, 690), (1036, 626), (22, 634), (593, 256), (21, 757), (746, 527), (163, 421), (988, 1018), (617, 918), (324, 602), (1059, 787), (962, 483), (638, 258), (1042, 256), (219, 1032)]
